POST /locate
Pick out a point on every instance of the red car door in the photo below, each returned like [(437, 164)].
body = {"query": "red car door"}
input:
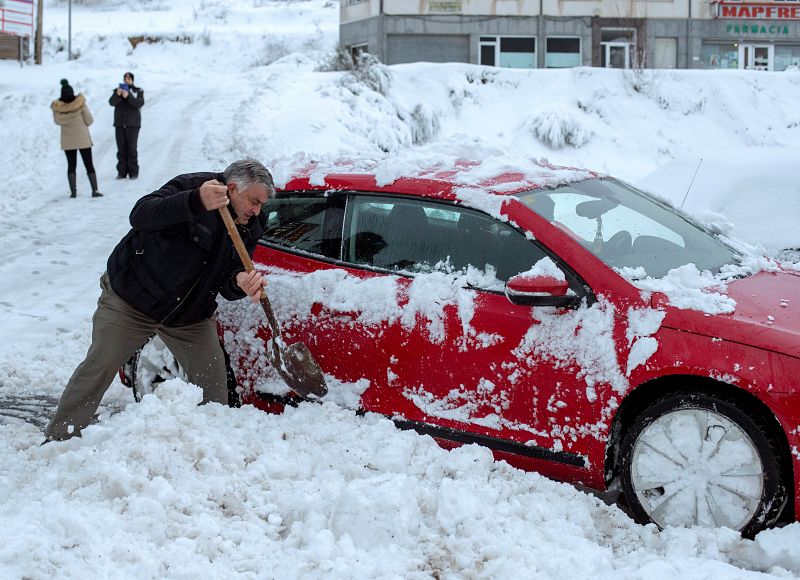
[(465, 359)]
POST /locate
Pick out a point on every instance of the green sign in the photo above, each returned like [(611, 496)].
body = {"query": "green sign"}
[(771, 29), (445, 6)]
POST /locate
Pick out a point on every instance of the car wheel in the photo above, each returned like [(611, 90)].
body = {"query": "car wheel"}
[(696, 459), (151, 365)]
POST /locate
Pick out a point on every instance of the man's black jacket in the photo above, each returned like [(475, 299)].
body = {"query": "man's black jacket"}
[(126, 111), (178, 256)]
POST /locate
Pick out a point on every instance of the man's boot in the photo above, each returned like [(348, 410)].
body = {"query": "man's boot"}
[(73, 184), (93, 181)]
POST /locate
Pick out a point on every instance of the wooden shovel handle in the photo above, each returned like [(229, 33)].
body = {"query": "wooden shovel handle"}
[(233, 232), (236, 238)]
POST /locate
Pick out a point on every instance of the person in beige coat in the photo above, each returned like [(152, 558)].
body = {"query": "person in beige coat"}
[(73, 116)]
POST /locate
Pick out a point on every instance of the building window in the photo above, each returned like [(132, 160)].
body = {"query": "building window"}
[(666, 52), (357, 50), (508, 51), (716, 55), (786, 56), (561, 52)]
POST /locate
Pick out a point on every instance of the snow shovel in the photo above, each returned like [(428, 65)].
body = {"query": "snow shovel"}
[(294, 363)]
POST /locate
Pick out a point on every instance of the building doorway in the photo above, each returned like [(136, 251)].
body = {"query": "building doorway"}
[(616, 55), (616, 47), (757, 56)]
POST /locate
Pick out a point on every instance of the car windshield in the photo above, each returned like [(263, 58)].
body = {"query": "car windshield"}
[(627, 228)]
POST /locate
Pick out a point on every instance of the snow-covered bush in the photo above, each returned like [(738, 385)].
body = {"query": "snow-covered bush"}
[(369, 71), (423, 123), (211, 10), (339, 59), (557, 126)]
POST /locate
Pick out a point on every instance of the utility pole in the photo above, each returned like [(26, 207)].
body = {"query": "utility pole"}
[(540, 41), (37, 43), (69, 30)]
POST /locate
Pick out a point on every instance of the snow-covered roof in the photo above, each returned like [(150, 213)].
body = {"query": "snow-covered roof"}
[(436, 175)]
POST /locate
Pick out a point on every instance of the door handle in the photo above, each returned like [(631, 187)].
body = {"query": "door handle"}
[(347, 315)]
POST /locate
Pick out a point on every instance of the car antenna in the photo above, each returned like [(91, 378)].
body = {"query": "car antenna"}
[(691, 182)]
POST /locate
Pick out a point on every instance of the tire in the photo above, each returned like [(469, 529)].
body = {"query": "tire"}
[(153, 364), (150, 366), (699, 459)]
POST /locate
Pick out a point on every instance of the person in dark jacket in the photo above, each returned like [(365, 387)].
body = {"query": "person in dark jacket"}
[(127, 100), (163, 277), (72, 114)]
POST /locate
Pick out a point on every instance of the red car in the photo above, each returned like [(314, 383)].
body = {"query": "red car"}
[(551, 315)]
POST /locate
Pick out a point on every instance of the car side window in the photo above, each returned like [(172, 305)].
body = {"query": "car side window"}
[(423, 236), (307, 222)]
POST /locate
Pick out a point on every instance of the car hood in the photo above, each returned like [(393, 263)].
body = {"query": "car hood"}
[(767, 314)]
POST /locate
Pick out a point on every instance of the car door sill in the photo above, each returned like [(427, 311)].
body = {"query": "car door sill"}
[(493, 443)]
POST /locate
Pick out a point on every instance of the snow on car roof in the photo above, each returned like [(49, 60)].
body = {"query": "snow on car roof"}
[(413, 172)]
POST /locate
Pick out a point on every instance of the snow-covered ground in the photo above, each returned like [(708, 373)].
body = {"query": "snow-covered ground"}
[(168, 489)]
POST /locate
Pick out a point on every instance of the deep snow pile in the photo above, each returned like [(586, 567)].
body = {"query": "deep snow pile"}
[(168, 489)]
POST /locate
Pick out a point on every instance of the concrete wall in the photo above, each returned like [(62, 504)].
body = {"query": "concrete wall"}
[(374, 31), (559, 20), (351, 10)]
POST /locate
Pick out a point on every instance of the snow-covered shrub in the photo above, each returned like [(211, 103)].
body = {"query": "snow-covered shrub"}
[(271, 49), (211, 10), (205, 37), (370, 115), (790, 256), (339, 59), (470, 89), (640, 79), (423, 123), (557, 126), (482, 77), (688, 105), (369, 71)]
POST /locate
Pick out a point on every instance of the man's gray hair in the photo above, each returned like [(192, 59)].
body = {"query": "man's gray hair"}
[(247, 172)]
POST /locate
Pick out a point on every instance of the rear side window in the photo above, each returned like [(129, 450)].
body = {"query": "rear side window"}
[(310, 223), (420, 236)]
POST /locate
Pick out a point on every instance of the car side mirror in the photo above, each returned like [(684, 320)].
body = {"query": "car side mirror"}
[(527, 290)]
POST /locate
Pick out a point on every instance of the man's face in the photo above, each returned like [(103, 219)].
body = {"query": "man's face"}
[(127, 79), (247, 202)]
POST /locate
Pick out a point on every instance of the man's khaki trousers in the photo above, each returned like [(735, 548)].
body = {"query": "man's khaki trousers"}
[(118, 331)]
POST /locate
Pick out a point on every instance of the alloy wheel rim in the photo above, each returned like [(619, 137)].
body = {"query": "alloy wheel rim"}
[(156, 364), (694, 466)]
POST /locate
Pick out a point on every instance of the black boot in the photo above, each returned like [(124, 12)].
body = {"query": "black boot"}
[(73, 184), (93, 181)]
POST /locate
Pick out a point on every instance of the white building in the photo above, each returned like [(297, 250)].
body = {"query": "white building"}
[(763, 35)]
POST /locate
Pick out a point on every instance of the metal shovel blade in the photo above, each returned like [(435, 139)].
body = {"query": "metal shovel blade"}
[(301, 372), (294, 363)]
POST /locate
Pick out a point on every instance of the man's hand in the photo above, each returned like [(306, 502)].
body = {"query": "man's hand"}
[(124, 94), (118, 91), (252, 284), (213, 195)]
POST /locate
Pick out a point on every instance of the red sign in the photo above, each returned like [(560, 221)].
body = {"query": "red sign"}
[(756, 10), (16, 17)]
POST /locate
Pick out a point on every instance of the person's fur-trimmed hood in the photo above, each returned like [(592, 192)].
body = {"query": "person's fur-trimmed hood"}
[(60, 106)]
